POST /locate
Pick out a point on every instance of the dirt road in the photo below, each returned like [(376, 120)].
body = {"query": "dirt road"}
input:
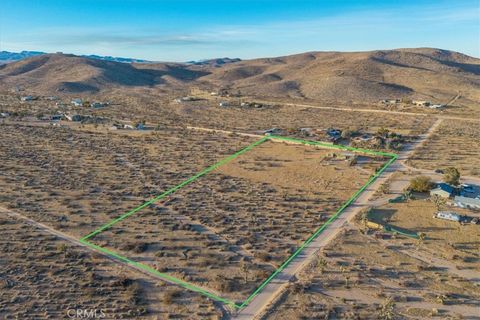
[(275, 287), (77, 242), (416, 114), (260, 302)]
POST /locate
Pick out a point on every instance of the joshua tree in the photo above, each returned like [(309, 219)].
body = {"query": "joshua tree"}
[(441, 299), (407, 194), (451, 176), (346, 277), (383, 132), (438, 201), (245, 271), (387, 310), (321, 264), (421, 239), (385, 188), (364, 215)]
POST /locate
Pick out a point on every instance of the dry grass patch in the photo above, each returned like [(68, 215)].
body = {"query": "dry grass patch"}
[(358, 276), (230, 229), (42, 277), (76, 180)]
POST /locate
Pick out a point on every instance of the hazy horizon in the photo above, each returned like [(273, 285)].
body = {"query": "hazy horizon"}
[(180, 31)]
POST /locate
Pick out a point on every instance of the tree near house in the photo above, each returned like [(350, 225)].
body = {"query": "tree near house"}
[(421, 184), (451, 175), (407, 194), (383, 132), (346, 134), (438, 201)]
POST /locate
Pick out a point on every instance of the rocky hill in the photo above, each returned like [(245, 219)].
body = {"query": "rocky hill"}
[(432, 74), (358, 76)]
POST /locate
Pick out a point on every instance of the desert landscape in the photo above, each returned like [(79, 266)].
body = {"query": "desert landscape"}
[(237, 219), (45, 277), (244, 161), (77, 161)]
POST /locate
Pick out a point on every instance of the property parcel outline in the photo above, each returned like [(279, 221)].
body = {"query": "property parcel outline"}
[(317, 232)]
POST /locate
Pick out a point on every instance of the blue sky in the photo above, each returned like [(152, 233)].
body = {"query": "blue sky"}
[(192, 30)]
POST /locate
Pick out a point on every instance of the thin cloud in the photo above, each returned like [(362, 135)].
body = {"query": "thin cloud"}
[(360, 30)]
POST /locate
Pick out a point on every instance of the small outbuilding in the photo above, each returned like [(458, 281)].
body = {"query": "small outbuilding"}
[(272, 131), (28, 98), (224, 104), (437, 106), (443, 190), (97, 105), (74, 117), (77, 102), (448, 215)]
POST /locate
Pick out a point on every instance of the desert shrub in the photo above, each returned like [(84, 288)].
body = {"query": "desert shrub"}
[(138, 247), (264, 256), (171, 295), (347, 134), (134, 293), (297, 288), (122, 281), (421, 184), (224, 284), (61, 248)]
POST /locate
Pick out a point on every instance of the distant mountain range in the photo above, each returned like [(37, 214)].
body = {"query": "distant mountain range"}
[(7, 57), (214, 62), (419, 73)]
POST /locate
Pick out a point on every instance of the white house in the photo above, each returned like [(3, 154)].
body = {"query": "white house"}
[(223, 104), (272, 131), (437, 106), (27, 98), (74, 117), (77, 102), (97, 105)]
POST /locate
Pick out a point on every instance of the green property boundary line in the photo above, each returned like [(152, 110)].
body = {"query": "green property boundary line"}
[(211, 295)]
